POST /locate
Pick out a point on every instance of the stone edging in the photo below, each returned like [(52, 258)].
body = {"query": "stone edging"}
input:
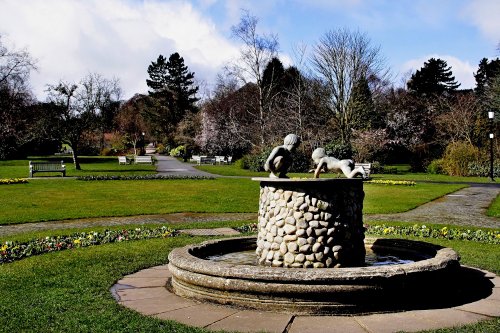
[(145, 292)]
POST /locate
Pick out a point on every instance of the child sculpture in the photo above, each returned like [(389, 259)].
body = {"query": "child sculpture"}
[(330, 163), (280, 158)]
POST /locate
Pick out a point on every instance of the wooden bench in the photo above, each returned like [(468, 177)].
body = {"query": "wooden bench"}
[(366, 166), (36, 167), (195, 158), (122, 160), (207, 160), (143, 159)]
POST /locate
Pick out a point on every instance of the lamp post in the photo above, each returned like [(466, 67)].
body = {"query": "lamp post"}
[(491, 115), (143, 141)]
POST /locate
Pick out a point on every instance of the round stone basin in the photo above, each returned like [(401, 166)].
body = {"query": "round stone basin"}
[(315, 290), (379, 258)]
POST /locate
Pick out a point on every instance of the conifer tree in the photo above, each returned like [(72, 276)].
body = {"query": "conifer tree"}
[(433, 79), (172, 87)]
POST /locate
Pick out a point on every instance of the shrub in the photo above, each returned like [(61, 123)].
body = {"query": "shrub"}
[(161, 149), (178, 151), (301, 162), (108, 152), (255, 162), (436, 167), (376, 167), (482, 169), (457, 157), (339, 150)]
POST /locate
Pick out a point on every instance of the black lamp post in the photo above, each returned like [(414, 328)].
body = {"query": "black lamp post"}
[(491, 116)]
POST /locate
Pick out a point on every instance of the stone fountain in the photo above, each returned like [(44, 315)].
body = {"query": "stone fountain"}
[(310, 253)]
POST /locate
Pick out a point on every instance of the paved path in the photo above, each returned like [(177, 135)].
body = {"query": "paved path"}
[(168, 165), (466, 207), (145, 292), (174, 218)]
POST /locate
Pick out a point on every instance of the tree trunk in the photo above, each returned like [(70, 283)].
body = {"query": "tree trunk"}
[(76, 161)]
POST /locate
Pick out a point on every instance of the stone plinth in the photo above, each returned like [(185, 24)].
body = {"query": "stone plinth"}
[(306, 223)]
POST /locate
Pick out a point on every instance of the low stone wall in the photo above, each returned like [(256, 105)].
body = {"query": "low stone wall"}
[(305, 223)]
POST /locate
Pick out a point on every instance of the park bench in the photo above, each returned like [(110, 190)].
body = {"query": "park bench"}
[(223, 159), (122, 160), (36, 167), (366, 166), (143, 159), (195, 158), (207, 160)]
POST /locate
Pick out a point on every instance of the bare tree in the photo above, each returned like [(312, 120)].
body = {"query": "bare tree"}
[(256, 52), (81, 105), (15, 98), (130, 121), (15, 65), (460, 119), (341, 58)]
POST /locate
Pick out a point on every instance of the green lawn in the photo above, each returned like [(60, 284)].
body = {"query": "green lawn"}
[(494, 209), (56, 199), (91, 165), (403, 174), (69, 290)]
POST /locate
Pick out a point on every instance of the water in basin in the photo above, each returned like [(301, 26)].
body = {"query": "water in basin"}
[(249, 258)]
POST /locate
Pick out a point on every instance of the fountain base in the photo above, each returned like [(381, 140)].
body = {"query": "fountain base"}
[(315, 291)]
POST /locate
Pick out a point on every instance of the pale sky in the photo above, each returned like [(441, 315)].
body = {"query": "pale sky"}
[(120, 38)]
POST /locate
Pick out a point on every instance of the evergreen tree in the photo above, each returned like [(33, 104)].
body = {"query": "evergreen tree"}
[(181, 82), (486, 72), (172, 88), (273, 75), (158, 76), (363, 107), (433, 79)]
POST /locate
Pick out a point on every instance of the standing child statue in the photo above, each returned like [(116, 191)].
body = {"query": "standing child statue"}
[(280, 158), (329, 163)]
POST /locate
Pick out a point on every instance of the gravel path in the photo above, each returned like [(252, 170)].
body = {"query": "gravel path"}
[(466, 207), (7, 230)]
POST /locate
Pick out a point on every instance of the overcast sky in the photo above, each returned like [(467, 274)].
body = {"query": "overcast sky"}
[(120, 38)]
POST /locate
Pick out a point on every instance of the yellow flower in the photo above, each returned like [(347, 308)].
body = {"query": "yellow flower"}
[(77, 241), (3, 248)]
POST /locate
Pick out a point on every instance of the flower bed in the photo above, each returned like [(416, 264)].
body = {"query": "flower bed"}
[(479, 235), (484, 236), (8, 181), (142, 177), (392, 182), (11, 251)]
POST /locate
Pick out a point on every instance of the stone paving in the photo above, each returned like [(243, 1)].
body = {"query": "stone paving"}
[(145, 292)]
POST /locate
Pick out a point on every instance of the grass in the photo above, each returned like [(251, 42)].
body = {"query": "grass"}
[(56, 199), (69, 290), (494, 209), (403, 174), (44, 200), (384, 199), (91, 165)]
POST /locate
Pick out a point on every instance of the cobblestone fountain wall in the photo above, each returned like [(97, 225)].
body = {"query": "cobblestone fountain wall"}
[(311, 223)]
